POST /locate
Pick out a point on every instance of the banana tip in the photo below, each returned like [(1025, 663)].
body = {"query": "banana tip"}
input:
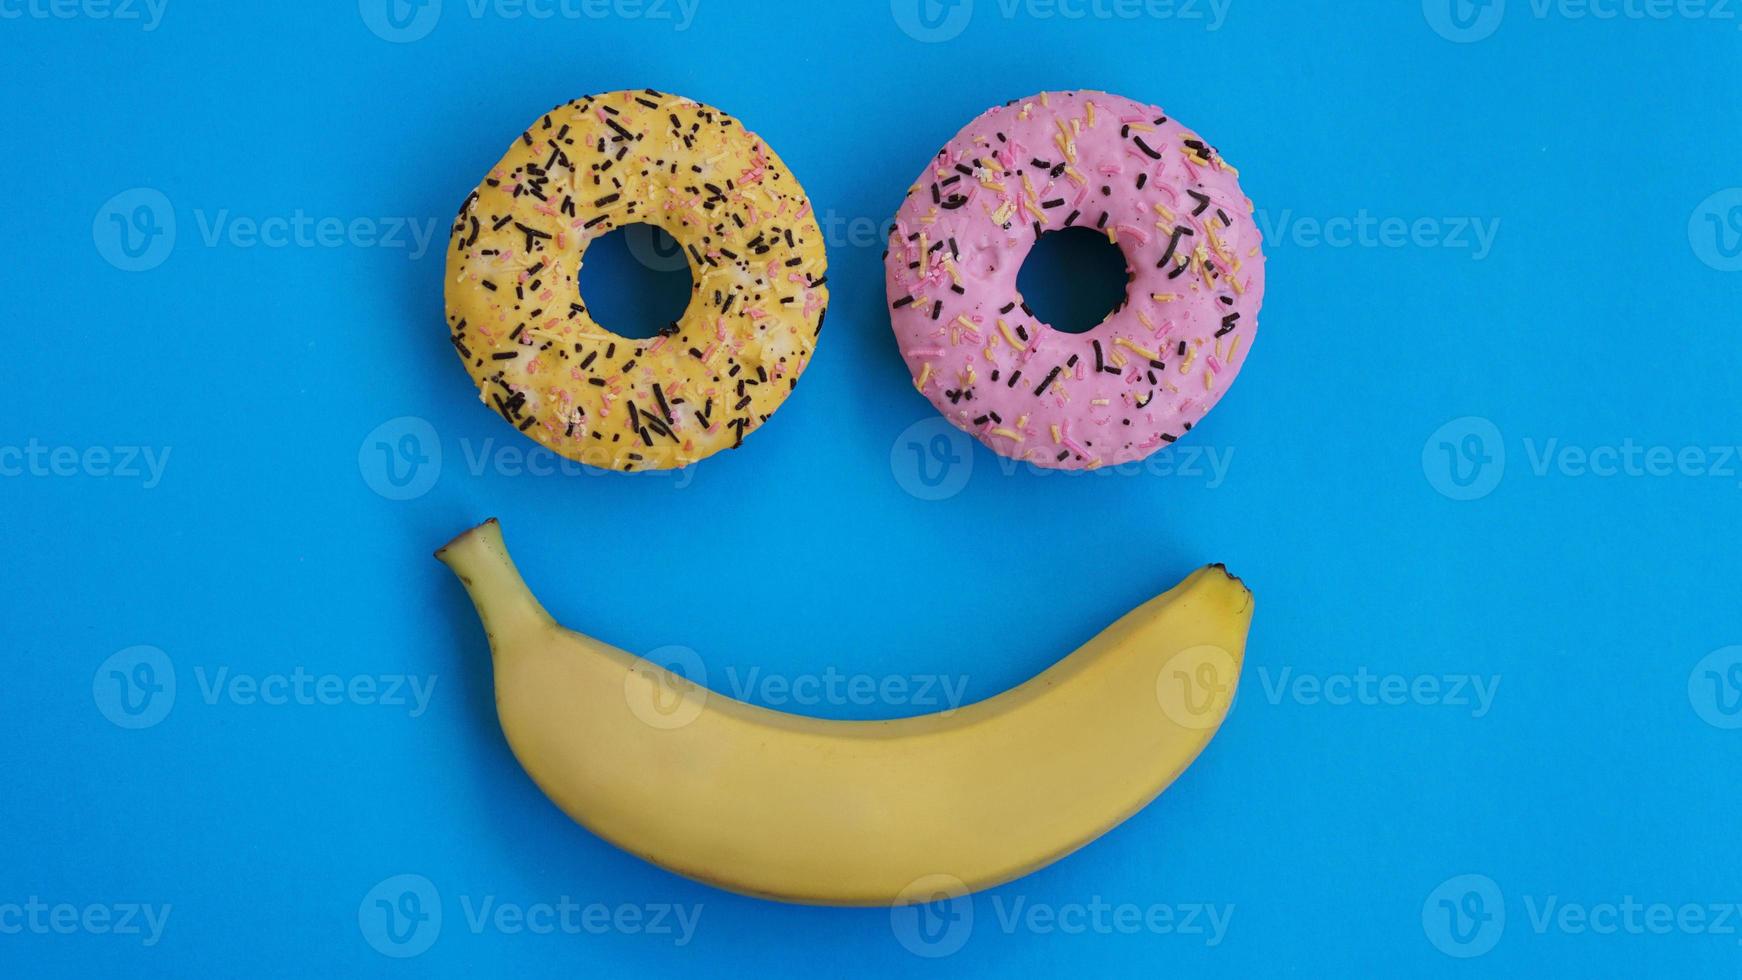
[(1237, 580), (441, 553)]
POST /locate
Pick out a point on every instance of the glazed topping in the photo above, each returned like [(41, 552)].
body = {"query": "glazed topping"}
[(516, 316), (1156, 365)]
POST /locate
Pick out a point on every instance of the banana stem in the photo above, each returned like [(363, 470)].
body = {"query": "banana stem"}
[(480, 558)]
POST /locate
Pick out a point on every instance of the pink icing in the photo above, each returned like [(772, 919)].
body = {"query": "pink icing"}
[(1076, 401)]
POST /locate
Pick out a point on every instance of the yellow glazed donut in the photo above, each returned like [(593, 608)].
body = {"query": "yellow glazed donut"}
[(518, 320)]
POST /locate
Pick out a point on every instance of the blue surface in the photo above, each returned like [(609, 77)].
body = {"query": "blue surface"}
[(1378, 475)]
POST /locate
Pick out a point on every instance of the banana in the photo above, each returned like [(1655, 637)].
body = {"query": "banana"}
[(821, 812)]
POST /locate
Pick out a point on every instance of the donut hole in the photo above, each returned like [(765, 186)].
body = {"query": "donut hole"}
[(635, 281), (1073, 279)]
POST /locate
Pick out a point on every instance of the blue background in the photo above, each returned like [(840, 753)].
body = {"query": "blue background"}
[(1596, 318)]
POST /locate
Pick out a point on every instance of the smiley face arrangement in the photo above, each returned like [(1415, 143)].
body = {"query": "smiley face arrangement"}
[(901, 811), (1154, 367), (518, 320)]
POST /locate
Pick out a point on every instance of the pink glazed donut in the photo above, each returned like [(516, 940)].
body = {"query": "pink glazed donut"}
[(1142, 377)]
